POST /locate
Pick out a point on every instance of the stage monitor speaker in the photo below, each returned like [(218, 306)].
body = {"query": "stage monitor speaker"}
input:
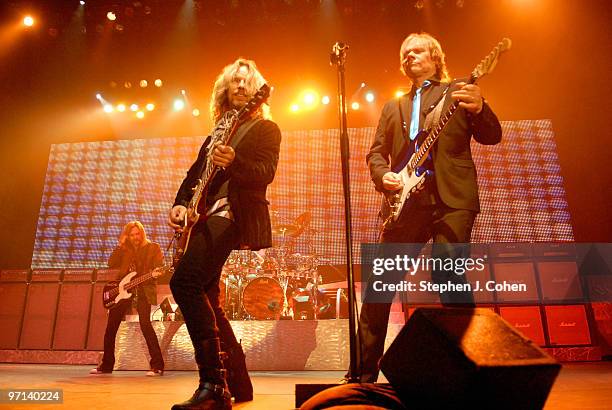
[(467, 358)]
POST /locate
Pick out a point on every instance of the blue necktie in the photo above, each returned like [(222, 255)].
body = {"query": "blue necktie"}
[(416, 111)]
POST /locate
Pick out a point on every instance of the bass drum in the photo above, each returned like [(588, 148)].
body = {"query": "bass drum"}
[(262, 299)]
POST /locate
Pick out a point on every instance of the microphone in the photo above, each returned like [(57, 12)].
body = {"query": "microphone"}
[(338, 53)]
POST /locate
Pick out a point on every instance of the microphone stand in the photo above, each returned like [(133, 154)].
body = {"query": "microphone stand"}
[(338, 58), (304, 391)]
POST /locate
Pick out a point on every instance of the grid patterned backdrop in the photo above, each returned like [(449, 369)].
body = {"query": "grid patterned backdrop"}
[(92, 189)]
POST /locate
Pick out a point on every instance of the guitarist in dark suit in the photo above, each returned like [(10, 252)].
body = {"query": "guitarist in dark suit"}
[(446, 204), (237, 218), (134, 253)]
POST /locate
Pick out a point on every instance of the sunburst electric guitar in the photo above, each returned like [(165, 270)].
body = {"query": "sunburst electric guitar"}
[(222, 134), (414, 173)]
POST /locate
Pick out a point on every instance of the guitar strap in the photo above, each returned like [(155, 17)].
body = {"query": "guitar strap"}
[(435, 111), (242, 131)]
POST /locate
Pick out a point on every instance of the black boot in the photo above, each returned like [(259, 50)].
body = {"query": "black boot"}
[(212, 392), (238, 379)]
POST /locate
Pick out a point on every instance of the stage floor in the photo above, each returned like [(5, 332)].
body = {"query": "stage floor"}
[(579, 386)]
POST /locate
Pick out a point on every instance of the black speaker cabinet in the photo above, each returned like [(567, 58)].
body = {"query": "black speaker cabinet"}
[(467, 358)]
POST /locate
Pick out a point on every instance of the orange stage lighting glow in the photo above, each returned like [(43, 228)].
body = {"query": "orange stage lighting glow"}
[(28, 21), (355, 105), (294, 108)]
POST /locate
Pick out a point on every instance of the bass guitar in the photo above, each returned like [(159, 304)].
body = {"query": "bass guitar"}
[(116, 291), (414, 173)]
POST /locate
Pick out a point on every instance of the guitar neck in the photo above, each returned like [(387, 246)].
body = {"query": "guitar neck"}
[(139, 280), (435, 133)]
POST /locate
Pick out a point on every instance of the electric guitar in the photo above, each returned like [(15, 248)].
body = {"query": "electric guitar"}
[(414, 173), (222, 134), (116, 291)]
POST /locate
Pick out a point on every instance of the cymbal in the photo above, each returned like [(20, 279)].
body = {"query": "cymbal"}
[(286, 229)]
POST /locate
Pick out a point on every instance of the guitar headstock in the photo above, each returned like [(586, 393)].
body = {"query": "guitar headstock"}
[(489, 62), (254, 103), (162, 270)]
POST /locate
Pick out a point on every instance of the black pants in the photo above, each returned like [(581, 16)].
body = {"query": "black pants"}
[(195, 283), (115, 315), (417, 225)]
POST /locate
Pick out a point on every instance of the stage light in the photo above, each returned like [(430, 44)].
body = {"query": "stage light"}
[(134, 107), (183, 92), (325, 100), (127, 84), (195, 112), (399, 93), (28, 21), (310, 98), (82, 3), (355, 105), (179, 104), (363, 85), (150, 107), (121, 107), (140, 115), (99, 97), (158, 83), (111, 16), (108, 108), (294, 108), (419, 4), (369, 97), (143, 83)]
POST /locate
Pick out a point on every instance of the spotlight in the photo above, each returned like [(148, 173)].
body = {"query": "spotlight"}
[(134, 107), (363, 85), (140, 115), (111, 16), (325, 100), (28, 21), (127, 84), (355, 105), (399, 93), (294, 108), (99, 97), (121, 107), (143, 83), (178, 105), (108, 108), (150, 107), (183, 92), (195, 112), (369, 96), (158, 83), (82, 3), (309, 98)]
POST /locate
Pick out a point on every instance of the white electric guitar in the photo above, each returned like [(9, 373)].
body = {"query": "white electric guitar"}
[(414, 173), (116, 291)]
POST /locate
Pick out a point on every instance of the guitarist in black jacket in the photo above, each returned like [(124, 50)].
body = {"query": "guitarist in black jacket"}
[(134, 253), (237, 218), (445, 205)]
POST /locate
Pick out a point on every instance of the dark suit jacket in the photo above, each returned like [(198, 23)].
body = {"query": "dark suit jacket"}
[(249, 175), (454, 169), (146, 257)]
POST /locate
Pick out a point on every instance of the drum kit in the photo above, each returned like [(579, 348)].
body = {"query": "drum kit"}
[(275, 283)]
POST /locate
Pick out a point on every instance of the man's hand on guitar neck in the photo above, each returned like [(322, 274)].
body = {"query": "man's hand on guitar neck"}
[(176, 219), (223, 156), (469, 97)]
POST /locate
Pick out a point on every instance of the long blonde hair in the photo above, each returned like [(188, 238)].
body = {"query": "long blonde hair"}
[(435, 50), (135, 224), (219, 102)]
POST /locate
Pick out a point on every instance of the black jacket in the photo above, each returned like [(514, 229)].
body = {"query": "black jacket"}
[(146, 258), (249, 175), (454, 169)]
